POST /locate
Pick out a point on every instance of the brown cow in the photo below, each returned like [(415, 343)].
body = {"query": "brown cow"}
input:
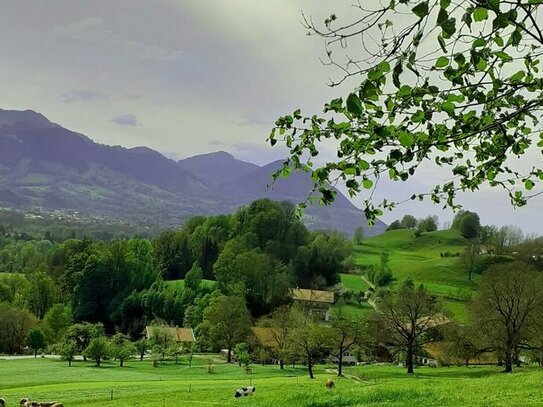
[(330, 384)]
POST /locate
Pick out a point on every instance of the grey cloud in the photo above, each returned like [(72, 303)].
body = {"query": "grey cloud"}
[(91, 30), (126, 120), (82, 96)]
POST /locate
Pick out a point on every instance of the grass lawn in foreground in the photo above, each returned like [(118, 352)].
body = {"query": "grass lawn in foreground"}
[(140, 384)]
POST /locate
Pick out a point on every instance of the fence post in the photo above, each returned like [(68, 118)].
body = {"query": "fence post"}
[(111, 395)]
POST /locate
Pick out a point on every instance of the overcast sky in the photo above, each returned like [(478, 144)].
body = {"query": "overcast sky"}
[(187, 77)]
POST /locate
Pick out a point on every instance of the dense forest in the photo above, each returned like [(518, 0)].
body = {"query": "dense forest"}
[(258, 253)]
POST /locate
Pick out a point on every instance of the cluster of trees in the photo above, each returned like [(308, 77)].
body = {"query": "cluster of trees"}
[(487, 244), (428, 224), (256, 254)]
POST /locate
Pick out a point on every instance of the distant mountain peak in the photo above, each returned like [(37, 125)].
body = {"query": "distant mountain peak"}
[(27, 117), (213, 155)]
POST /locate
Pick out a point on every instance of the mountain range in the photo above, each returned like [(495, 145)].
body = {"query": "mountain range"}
[(44, 166)]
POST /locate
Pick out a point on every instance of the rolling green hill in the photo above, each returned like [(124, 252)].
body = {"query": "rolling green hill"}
[(420, 258)]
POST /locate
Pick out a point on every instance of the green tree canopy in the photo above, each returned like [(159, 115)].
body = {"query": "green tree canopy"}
[(468, 224), (227, 322), (36, 340)]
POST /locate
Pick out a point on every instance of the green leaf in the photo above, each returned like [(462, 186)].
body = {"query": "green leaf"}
[(442, 16), (442, 43), (351, 170), (364, 165), (515, 37), (503, 56), (478, 43), (367, 183), (518, 76), (421, 9), (442, 62), (398, 69), (285, 172), (404, 91), (528, 184), (444, 3), (448, 107), (494, 4), (354, 106), (480, 14), (406, 139), (418, 116), (481, 65)]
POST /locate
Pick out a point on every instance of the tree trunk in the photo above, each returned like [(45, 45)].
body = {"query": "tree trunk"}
[(508, 363), (141, 356), (229, 355), (409, 360), (467, 362), (35, 353), (340, 364), (69, 362), (281, 364), (122, 362), (310, 368)]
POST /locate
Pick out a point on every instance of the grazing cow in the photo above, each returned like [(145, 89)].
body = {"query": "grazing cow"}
[(43, 403), (2, 402), (330, 384), (244, 391), (58, 405), (24, 402)]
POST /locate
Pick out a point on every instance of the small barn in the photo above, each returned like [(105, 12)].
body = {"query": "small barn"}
[(179, 335), (315, 302)]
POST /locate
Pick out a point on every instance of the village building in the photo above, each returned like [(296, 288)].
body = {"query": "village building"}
[(265, 339), (314, 302), (179, 335), (349, 358)]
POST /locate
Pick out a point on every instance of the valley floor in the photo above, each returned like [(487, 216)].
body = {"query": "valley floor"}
[(141, 384)]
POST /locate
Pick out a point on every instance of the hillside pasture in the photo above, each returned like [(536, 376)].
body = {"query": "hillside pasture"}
[(140, 384), (420, 258)]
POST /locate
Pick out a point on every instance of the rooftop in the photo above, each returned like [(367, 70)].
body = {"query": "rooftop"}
[(178, 334), (302, 294)]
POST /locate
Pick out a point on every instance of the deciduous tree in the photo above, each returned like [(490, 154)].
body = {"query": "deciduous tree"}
[(407, 320), (507, 308)]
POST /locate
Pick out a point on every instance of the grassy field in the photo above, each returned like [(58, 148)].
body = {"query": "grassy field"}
[(420, 258), (140, 384), (353, 282)]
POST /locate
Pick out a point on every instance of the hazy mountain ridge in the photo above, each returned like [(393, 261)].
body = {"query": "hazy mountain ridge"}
[(43, 165)]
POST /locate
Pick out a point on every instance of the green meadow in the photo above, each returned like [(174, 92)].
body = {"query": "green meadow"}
[(141, 384), (420, 259)]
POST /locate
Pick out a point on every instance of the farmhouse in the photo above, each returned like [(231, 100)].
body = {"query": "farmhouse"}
[(265, 337), (349, 358), (179, 335), (314, 302)]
